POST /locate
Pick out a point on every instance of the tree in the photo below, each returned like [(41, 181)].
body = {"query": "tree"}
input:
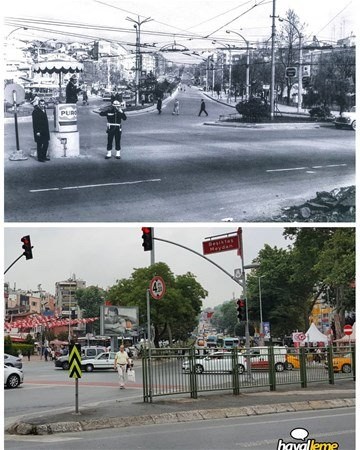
[(176, 314), (89, 301), (336, 268), (289, 38), (280, 303)]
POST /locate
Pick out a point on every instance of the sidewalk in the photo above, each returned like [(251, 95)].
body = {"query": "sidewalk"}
[(132, 411)]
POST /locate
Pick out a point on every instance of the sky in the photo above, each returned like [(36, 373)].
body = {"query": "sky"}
[(102, 255), (327, 19)]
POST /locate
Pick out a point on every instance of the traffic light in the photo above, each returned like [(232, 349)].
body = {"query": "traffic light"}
[(147, 239), (241, 309), (27, 247)]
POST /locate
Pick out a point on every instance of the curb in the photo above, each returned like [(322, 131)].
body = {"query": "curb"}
[(25, 428)]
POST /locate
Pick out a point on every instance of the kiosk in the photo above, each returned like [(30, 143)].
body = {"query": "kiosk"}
[(64, 140)]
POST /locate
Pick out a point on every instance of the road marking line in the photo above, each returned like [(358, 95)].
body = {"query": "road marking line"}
[(286, 170), (329, 165), (304, 168), (86, 186)]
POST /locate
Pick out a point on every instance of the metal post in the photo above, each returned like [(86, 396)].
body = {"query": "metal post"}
[(149, 341), (247, 70), (300, 75), (230, 75), (137, 25), (69, 336), (272, 84), (247, 333), (261, 341)]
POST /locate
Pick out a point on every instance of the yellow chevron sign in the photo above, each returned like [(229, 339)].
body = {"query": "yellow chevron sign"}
[(75, 361)]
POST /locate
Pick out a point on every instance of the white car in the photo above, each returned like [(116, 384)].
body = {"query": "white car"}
[(347, 119), (13, 377), (259, 358), (216, 362), (103, 361)]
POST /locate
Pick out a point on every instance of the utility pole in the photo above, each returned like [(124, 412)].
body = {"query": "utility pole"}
[(272, 83), (138, 63)]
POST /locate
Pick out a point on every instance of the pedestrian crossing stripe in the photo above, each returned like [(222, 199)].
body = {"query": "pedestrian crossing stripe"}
[(75, 361)]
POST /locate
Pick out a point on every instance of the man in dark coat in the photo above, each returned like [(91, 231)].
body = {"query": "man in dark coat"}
[(202, 108), (159, 105), (41, 130), (72, 90), (114, 115)]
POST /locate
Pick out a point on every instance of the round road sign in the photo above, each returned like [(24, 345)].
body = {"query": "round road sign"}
[(347, 330), (157, 288), (14, 93)]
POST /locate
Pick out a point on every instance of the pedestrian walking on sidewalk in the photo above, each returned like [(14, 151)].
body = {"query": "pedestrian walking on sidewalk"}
[(120, 364), (114, 115), (176, 110), (202, 108), (41, 130)]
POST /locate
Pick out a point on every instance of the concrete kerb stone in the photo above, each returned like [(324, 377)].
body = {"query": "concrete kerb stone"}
[(23, 428)]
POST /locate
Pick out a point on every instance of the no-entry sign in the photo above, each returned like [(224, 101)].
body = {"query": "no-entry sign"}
[(347, 330)]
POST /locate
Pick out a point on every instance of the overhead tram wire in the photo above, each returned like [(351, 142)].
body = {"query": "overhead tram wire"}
[(233, 20), (29, 22), (219, 15)]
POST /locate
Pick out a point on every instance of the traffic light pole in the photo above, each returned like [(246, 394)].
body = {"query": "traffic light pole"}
[(204, 257), (247, 333), (16, 260)]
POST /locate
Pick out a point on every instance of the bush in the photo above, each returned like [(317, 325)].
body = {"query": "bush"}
[(253, 110), (320, 112)]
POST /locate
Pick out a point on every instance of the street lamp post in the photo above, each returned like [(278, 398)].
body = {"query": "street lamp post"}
[(247, 90), (228, 46), (261, 340), (137, 25), (300, 62), (13, 31)]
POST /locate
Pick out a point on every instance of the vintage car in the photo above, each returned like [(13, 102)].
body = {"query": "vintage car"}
[(347, 119)]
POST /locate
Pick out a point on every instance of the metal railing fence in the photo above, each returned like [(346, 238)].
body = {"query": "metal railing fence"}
[(174, 371)]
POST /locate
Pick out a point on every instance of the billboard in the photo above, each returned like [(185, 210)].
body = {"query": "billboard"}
[(118, 320)]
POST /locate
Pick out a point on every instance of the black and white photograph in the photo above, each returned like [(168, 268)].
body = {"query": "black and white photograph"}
[(179, 224), (195, 112)]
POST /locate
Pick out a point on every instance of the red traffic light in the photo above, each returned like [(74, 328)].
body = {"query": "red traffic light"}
[(27, 247), (241, 309), (147, 238)]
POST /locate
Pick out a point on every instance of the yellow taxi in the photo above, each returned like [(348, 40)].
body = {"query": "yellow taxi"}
[(342, 363), (292, 362)]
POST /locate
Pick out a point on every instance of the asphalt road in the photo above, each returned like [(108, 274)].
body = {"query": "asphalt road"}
[(255, 432), (176, 169)]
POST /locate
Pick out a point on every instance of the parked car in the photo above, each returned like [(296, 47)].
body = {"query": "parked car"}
[(13, 377), (292, 362), (217, 362), (347, 119), (86, 353), (259, 358), (341, 363), (106, 96), (12, 361), (103, 361)]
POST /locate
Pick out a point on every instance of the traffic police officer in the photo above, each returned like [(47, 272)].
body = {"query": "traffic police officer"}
[(114, 115)]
